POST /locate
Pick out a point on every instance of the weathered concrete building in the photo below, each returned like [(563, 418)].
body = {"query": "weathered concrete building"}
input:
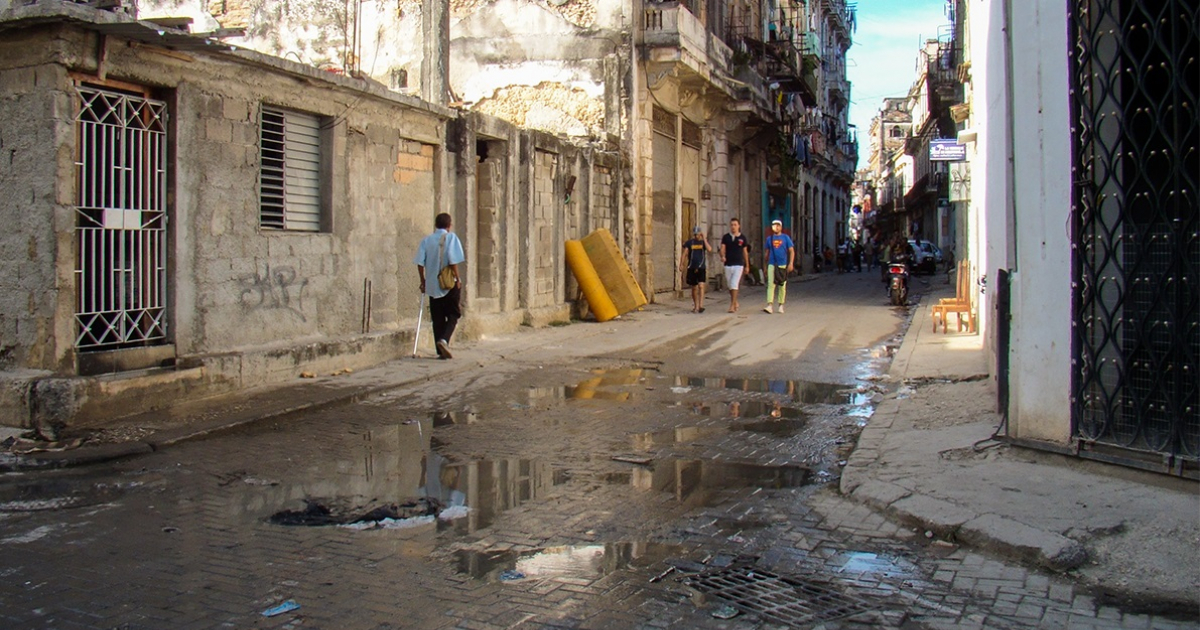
[(188, 219), (717, 109)]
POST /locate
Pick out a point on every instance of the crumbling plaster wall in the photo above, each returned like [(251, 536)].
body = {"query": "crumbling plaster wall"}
[(36, 168), (320, 33), (541, 65)]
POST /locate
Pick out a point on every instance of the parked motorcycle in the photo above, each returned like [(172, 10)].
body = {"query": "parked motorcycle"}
[(897, 272)]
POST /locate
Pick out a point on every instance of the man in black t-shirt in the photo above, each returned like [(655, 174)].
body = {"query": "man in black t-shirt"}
[(735, 251), (694, 263)]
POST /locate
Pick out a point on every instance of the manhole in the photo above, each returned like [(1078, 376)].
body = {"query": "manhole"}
[(788, 600)]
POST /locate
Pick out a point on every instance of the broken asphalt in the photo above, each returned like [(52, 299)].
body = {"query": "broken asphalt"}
[(932, 456)]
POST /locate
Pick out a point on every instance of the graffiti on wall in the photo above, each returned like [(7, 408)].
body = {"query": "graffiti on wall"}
[(279, 289)]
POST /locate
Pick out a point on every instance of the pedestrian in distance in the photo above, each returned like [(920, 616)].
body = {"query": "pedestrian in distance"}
[(440, 250), (694, 263), (779, 257), (735, 253)]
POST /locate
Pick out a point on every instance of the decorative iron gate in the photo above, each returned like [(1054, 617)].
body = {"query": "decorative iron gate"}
[(120, 220), (1136, 264)]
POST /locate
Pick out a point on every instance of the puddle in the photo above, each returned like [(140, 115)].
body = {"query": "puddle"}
[(598, 387), (806, 392), (571, 561), (398, 465), (863, 563), (670, 437), (59, 494), (449, 418), (695, 481), (746, 409), (777, 428)]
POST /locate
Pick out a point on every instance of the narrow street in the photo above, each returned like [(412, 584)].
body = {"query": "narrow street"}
[(670, 470)]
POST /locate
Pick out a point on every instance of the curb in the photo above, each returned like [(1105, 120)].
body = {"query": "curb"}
[(169, 437)]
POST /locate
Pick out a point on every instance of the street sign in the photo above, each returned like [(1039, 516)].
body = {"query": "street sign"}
[(947, 150)]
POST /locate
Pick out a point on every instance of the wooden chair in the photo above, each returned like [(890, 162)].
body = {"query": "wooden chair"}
[(961, 304)]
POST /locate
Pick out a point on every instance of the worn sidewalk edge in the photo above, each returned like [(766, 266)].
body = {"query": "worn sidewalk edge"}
[(169, 437)]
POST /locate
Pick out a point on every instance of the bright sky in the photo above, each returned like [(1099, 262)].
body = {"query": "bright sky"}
[(882, 61)]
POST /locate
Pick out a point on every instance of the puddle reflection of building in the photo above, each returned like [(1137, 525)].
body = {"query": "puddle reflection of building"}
[(489, 487), (583, 561), (692, 481), (796, 391)]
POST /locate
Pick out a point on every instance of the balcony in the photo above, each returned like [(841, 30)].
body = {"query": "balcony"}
[(674, 39)]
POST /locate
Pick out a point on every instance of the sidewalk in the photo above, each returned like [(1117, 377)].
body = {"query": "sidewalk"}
[(927, 459)]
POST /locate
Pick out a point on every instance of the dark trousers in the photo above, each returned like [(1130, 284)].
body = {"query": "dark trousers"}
[(444, 313)]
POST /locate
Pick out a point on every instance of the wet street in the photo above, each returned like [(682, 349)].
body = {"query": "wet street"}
[(660, 481)]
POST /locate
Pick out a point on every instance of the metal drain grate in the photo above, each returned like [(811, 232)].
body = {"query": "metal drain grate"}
[(788, 600)]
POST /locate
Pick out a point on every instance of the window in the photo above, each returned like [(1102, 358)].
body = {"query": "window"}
[(896, 132), (289, 170)]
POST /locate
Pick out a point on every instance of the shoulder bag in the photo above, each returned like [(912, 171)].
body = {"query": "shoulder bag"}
[(446, 279)]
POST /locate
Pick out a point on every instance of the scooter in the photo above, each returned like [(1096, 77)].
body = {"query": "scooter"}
[(897, 280)]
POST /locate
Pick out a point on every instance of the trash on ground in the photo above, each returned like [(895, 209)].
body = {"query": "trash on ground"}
[(662, 575), (724, 612), (511, 575), (686, 566), (453, 512), (283, 607), (680, 390), (633, 459), (25, 446), (392, 515)]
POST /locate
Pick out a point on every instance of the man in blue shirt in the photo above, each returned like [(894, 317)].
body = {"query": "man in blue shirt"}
[(438, 250), (779, 257)]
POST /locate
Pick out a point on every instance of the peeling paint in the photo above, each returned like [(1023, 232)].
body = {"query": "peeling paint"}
[(549, 107)]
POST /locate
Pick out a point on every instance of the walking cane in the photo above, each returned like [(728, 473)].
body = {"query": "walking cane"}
[(417, 336)]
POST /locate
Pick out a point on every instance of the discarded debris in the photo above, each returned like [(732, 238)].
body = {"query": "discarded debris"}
[(511, 575), (307, 375), (283, 607), (633, 459), (392, 515), (686, 566), (660, 576), (725, 612), (25, 446), (170, 530)]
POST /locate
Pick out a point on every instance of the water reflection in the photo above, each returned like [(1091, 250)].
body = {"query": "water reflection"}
[(778, 428), (694, 481), (670, 437), (593, 387), (582, 561), (396, 464), (747, 409), (448, 418), (797, 391)]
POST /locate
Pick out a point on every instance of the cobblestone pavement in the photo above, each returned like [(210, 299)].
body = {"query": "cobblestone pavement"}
[(600, 494)]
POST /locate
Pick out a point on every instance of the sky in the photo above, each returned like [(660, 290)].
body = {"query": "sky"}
[(882, 60)]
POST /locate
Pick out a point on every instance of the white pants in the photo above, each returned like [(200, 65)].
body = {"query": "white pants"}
[(733, 276)]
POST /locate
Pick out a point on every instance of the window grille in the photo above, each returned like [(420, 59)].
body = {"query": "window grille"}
[(1136, 262), (290, 170), (120, 229)]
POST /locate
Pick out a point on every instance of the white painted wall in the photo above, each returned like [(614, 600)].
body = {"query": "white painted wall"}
[(1025, 212)]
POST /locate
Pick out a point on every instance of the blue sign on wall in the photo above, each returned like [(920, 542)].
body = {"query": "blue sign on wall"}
[(947, 150)]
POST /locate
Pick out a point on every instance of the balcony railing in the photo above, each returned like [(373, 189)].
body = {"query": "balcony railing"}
[(669, 25)]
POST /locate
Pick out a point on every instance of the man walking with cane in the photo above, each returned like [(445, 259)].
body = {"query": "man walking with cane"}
[(437, 252)]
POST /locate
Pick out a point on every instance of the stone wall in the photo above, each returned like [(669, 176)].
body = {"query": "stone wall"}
[(250, 305)]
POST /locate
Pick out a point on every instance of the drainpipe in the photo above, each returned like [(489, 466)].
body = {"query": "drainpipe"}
[(1010, 176)]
